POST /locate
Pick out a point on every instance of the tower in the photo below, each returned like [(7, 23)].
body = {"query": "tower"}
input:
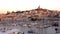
[(38, 7)]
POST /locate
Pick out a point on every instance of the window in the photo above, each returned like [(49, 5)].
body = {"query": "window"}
[(30, 31)]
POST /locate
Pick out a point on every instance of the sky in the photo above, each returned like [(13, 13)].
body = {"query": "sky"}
[(14, 5)]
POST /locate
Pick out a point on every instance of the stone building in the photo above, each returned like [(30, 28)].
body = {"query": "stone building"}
[(36, 21)]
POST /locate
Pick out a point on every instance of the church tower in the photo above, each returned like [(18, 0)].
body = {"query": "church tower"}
[(38, 9)]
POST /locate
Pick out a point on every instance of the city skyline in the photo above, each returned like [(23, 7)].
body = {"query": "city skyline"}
[(14, 5)]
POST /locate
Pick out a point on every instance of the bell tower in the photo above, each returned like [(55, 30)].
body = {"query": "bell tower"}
[(38, 7)]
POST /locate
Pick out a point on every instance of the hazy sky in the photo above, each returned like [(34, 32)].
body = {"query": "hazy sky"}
[(9, 5)]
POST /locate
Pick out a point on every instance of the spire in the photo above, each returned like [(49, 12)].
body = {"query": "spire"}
[(38, 7)]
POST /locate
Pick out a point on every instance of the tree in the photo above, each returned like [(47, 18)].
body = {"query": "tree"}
[(13, 12), (8, 12), (18, 12)]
